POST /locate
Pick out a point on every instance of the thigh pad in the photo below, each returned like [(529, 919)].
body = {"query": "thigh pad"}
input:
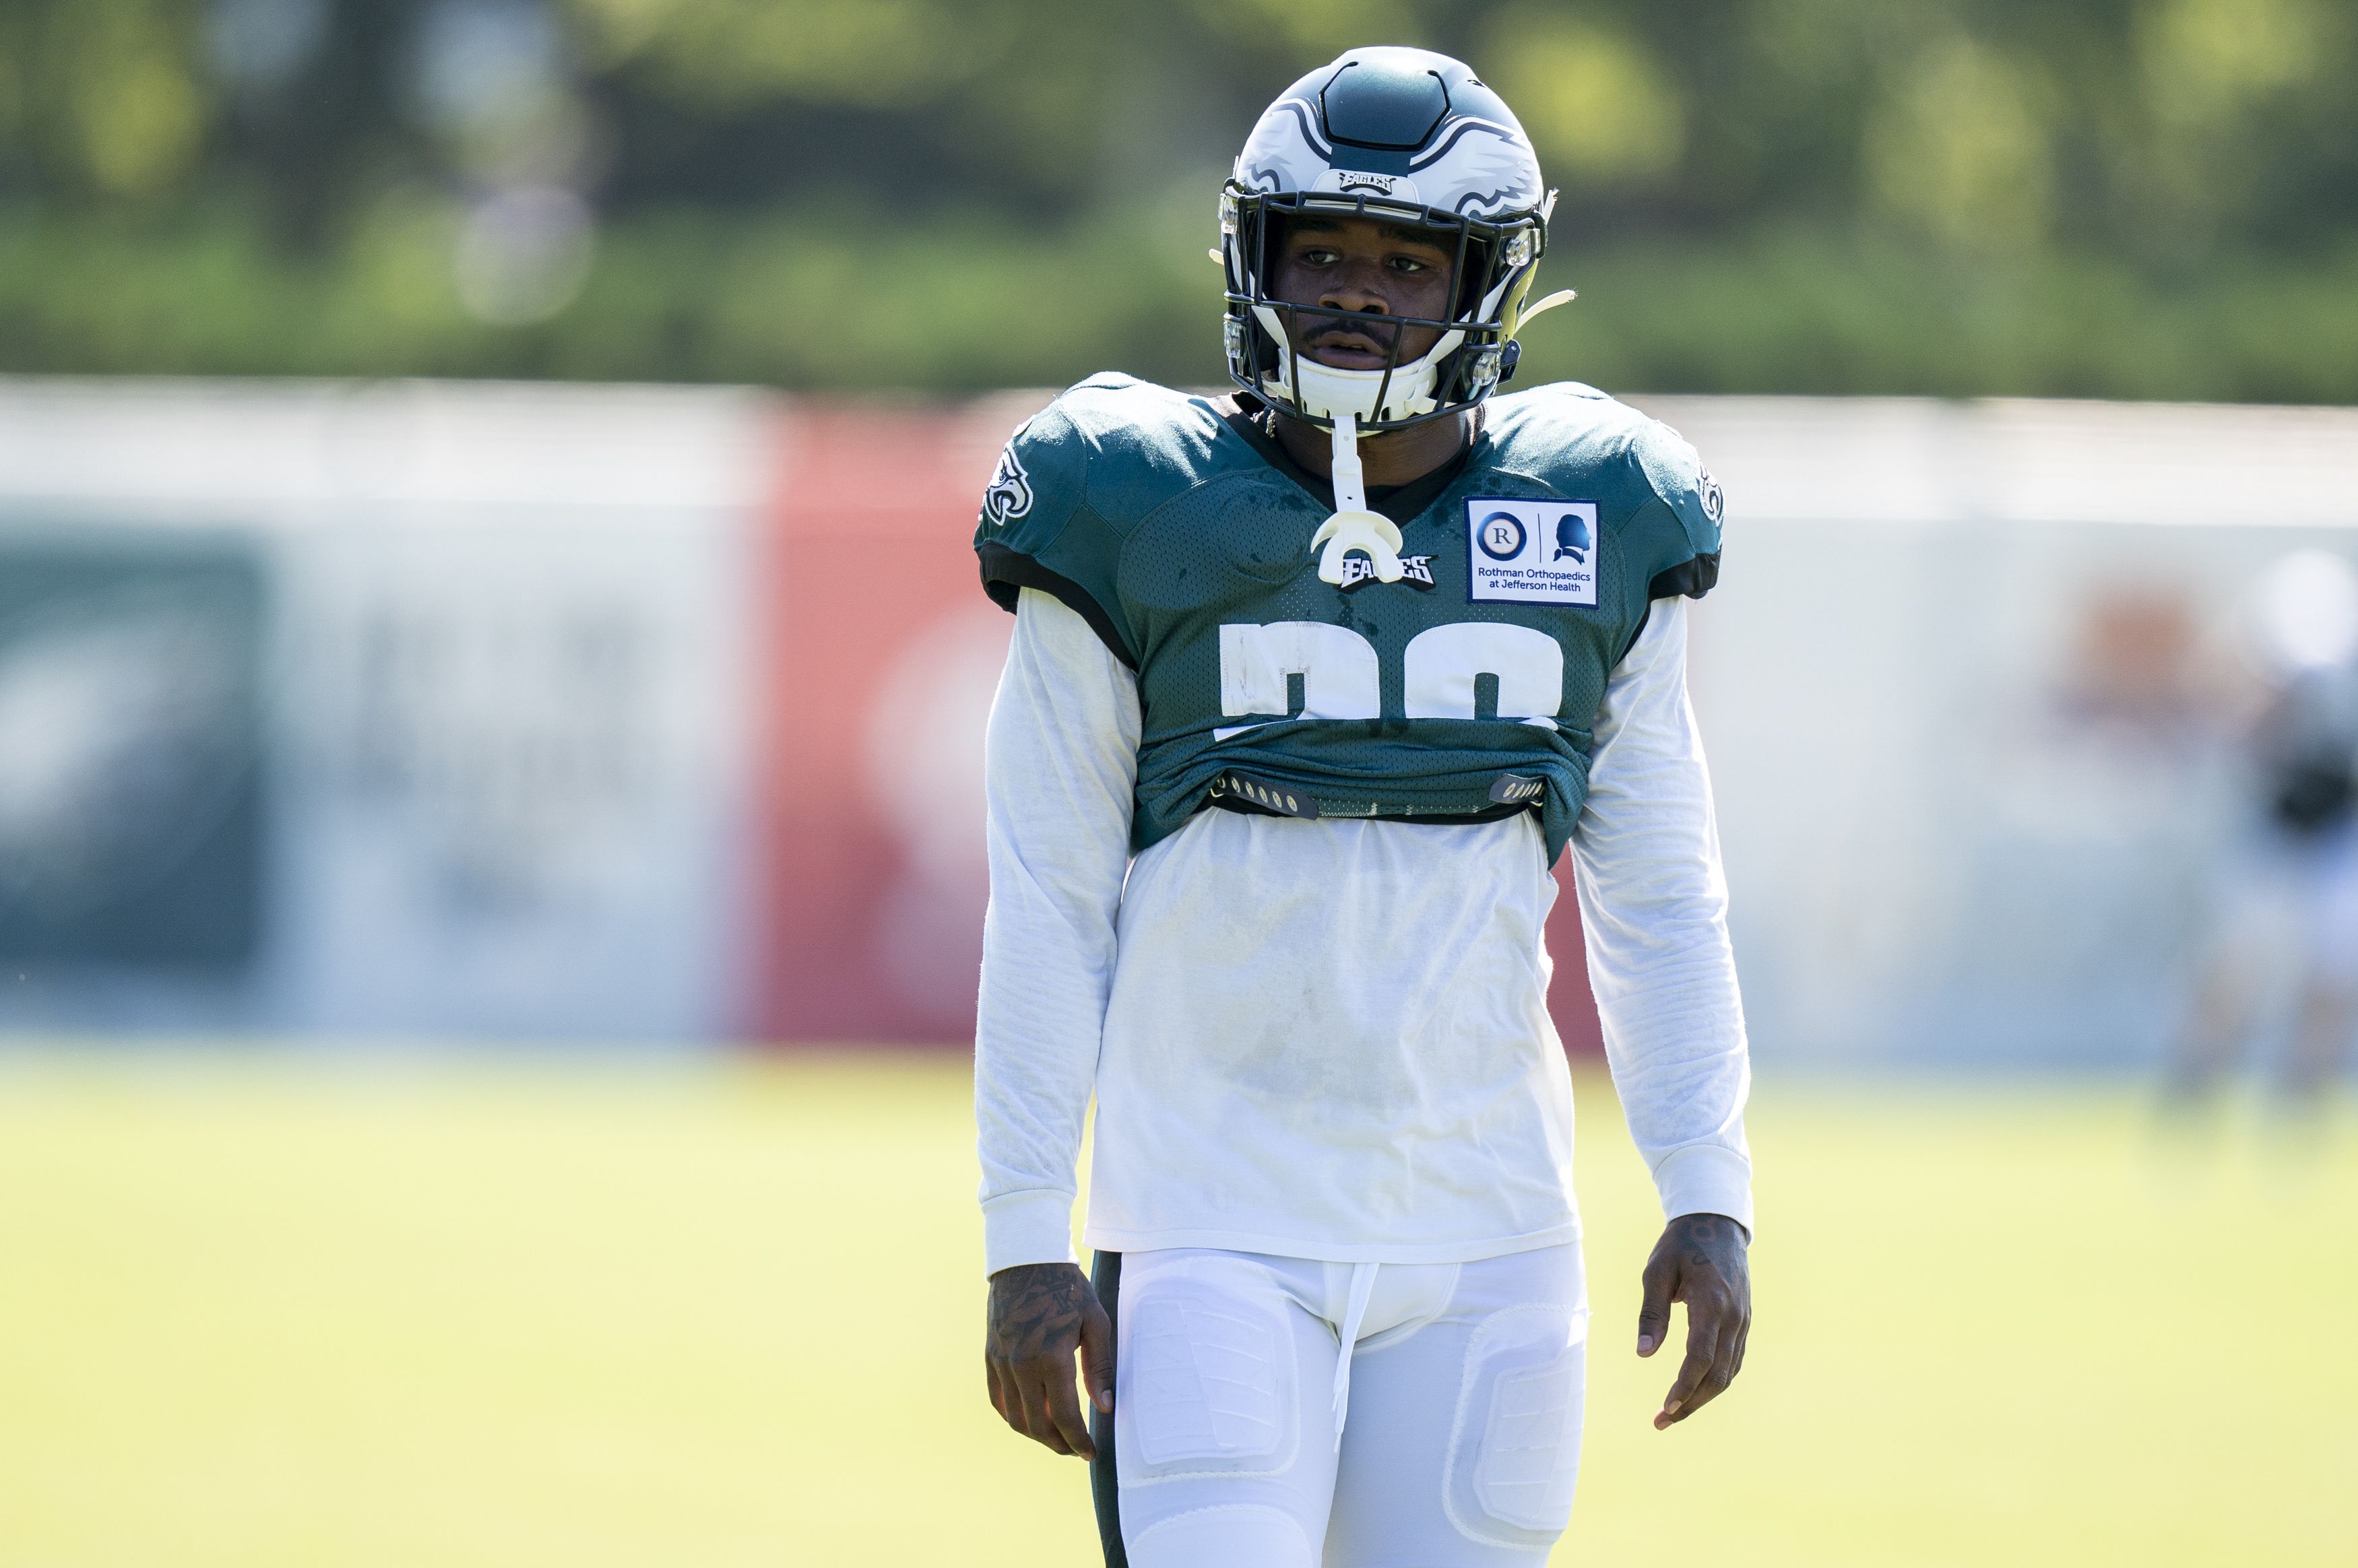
[(1514, 1446), (1206, 1373)]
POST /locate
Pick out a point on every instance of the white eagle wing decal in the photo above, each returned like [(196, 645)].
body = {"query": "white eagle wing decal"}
[(1483, 168), (1282, 154)]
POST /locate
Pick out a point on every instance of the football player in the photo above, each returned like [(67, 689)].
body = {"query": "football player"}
[(2285, 899), (1311, 684)]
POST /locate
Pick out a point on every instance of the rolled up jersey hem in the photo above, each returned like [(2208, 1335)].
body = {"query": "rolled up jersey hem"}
[(1030, 1226), (1103, 1239), (1705, 1178)]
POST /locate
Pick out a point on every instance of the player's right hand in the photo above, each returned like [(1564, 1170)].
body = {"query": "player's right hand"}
[(1041, 1314)]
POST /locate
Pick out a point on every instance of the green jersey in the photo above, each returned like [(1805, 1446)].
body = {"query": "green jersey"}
[(1464, 692)]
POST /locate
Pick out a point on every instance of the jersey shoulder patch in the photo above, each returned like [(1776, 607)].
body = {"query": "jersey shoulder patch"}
[(1040, 477), (1009, 497)]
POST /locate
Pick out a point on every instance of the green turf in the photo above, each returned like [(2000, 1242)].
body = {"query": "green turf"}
[(261, 1313)]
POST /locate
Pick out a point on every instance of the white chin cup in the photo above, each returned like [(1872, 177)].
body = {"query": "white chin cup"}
[(1324, 392)]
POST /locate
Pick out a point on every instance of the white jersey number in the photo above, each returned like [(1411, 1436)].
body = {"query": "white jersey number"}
[(1341, 679), (1442, 665), (1336, 667)]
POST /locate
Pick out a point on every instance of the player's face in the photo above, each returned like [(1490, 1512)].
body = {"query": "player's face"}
[(1361, 270)]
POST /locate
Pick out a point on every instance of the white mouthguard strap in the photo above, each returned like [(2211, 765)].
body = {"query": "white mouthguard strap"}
[(1350, 479)]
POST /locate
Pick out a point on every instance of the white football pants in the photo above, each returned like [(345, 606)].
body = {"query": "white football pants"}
[(1245, 1435)]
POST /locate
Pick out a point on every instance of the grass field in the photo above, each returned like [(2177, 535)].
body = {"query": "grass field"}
[(283, 1313)]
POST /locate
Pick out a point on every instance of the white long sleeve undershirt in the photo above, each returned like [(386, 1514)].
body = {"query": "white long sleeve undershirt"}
[(1329, 1039)]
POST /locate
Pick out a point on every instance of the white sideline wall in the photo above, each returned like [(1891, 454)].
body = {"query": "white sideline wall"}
[(507, 702), (1943, 845), (503, 689)]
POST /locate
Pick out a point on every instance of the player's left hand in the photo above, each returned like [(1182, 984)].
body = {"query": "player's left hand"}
[(1699, 1260)]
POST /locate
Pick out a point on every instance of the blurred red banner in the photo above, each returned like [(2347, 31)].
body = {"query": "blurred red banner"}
[(880, 657)]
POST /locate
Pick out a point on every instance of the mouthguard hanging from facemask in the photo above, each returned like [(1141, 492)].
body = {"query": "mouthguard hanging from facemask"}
[(1353, 526)]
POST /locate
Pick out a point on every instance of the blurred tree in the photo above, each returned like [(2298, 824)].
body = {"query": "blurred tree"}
[(2142, 198), (1958, 149), (1599, 107), (101, 99)]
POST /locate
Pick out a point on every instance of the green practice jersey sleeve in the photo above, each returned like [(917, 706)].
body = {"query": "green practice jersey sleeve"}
[(1038, 529), (1683, 537)]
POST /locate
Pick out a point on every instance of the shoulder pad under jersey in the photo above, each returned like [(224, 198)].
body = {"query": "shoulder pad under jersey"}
[(1074, 482), (1673, 534)]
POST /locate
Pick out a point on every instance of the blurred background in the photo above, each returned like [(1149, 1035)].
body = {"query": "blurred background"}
[(492, 686), (2147, 199)]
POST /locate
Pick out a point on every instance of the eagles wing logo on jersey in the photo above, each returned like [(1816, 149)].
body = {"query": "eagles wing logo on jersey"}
[(1715, 500), (1009, 496)]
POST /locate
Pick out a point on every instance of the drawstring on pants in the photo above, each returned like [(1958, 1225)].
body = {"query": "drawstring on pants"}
[(1363, 1287)]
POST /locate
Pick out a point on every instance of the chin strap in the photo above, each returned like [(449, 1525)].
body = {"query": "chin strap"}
[(1353, 526), (1560, 296)]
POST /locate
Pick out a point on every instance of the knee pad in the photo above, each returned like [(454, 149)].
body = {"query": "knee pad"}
[(1514, 1447), (1206, 1375), (1227, 1535)]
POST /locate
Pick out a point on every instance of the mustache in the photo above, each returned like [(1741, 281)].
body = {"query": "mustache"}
[(1355, 330)]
